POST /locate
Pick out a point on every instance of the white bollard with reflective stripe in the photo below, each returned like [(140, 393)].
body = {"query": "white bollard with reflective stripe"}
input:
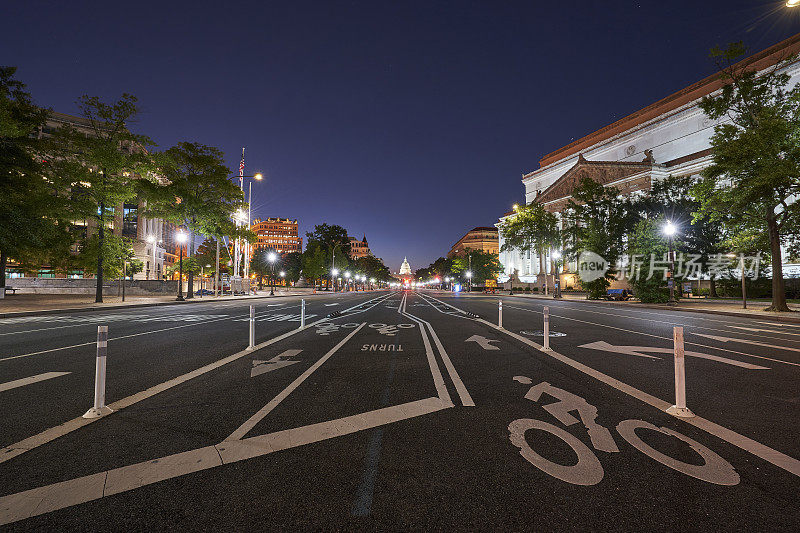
[(302, 313), (100, 408), (679, 409), (500, 313), (546, 332), (252, 328)]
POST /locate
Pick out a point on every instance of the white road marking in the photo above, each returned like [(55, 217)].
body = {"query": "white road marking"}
[(641, 333), (264, 411), (483, 342), (781, 460), (30, 380), (462, 391), (34, 502), (329, 305), (755, 343), (782, 324), (760, 330), (438, 380), (279, 361), (636, 350), (48, 435)]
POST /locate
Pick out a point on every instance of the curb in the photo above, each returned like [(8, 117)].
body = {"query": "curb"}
[(794, 318), (116, 307)]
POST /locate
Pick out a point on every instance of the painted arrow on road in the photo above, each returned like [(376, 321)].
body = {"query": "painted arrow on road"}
[(755, 343), (636, 350), (279, 361), (483, 341)]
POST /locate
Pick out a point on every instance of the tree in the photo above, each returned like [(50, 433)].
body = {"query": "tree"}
[(372, 267), (485, 265), (647, 241), (102, 165), (115, 251), (531, 228), (756, 169), (34, 214), (596, 220), (198, 194), (315, 262), (293, 265), (334, 243), (261, 266), (133, 267), (190, 266), (674, 199)]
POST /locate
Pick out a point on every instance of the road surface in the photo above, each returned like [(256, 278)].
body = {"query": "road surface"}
[(407, 410)]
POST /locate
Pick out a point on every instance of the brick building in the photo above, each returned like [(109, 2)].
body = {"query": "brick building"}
[(279, 234), (359, 248)]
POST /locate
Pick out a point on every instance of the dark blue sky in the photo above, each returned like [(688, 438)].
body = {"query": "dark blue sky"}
[(411, 122)]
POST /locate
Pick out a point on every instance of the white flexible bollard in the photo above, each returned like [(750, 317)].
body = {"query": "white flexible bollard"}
[(546, 312), (252, 328), (302, 313), (100, 408), (679, 409), (500, 313)]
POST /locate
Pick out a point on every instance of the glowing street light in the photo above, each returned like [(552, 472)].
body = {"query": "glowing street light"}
[(181, 238), (792, 3), (272, 257), (669, 230)]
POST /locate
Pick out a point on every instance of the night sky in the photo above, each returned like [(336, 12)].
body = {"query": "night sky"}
[(411, 122)]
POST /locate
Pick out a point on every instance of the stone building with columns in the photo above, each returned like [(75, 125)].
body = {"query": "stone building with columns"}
[(152, 239), (670, 137)]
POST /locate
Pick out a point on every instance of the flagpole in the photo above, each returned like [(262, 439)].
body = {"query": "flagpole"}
[(237, 243)]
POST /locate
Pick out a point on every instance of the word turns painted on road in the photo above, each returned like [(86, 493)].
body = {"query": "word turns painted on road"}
[(382, 348)]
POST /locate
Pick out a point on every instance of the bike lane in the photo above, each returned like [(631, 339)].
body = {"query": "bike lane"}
[(749, 389), (509, 460)]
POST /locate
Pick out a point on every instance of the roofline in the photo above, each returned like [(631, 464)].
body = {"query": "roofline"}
[(761, 60)]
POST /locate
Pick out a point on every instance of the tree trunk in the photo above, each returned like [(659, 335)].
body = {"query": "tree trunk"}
[(778, 290), (3, 260), (101, 234), (712, 290)]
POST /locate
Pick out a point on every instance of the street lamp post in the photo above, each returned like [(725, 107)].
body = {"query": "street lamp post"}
[(334, 278), (557, 281), (282, 274), (669, 231), (181, 238), (347, 280), (271, 257)]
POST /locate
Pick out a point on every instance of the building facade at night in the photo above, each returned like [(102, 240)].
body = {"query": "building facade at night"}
[(670, 137), (481, 238), (279, 234), (359, 248), (126, 221)]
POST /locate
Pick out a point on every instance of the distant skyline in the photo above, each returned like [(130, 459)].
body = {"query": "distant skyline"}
[(410, 123)]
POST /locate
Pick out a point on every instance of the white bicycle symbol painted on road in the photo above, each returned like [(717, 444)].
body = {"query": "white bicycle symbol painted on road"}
[(588, 470)]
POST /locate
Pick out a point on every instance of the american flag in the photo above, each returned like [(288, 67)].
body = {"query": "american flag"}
[(241, 167)]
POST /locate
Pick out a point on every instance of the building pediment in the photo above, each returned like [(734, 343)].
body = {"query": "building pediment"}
[(602, 172)]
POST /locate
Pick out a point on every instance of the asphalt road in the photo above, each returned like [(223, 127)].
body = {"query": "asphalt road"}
[(408, 411)]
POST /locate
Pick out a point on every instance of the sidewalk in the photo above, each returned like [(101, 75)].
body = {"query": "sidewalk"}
[(732, 307), (37, 304)]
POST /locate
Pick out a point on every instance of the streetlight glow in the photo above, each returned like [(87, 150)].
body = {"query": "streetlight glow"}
[(792, 3), (347, 274), (669, 228), (469, 273), (334, 272), (556, 254), (180, 237), (258, 176), (271, 257)]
